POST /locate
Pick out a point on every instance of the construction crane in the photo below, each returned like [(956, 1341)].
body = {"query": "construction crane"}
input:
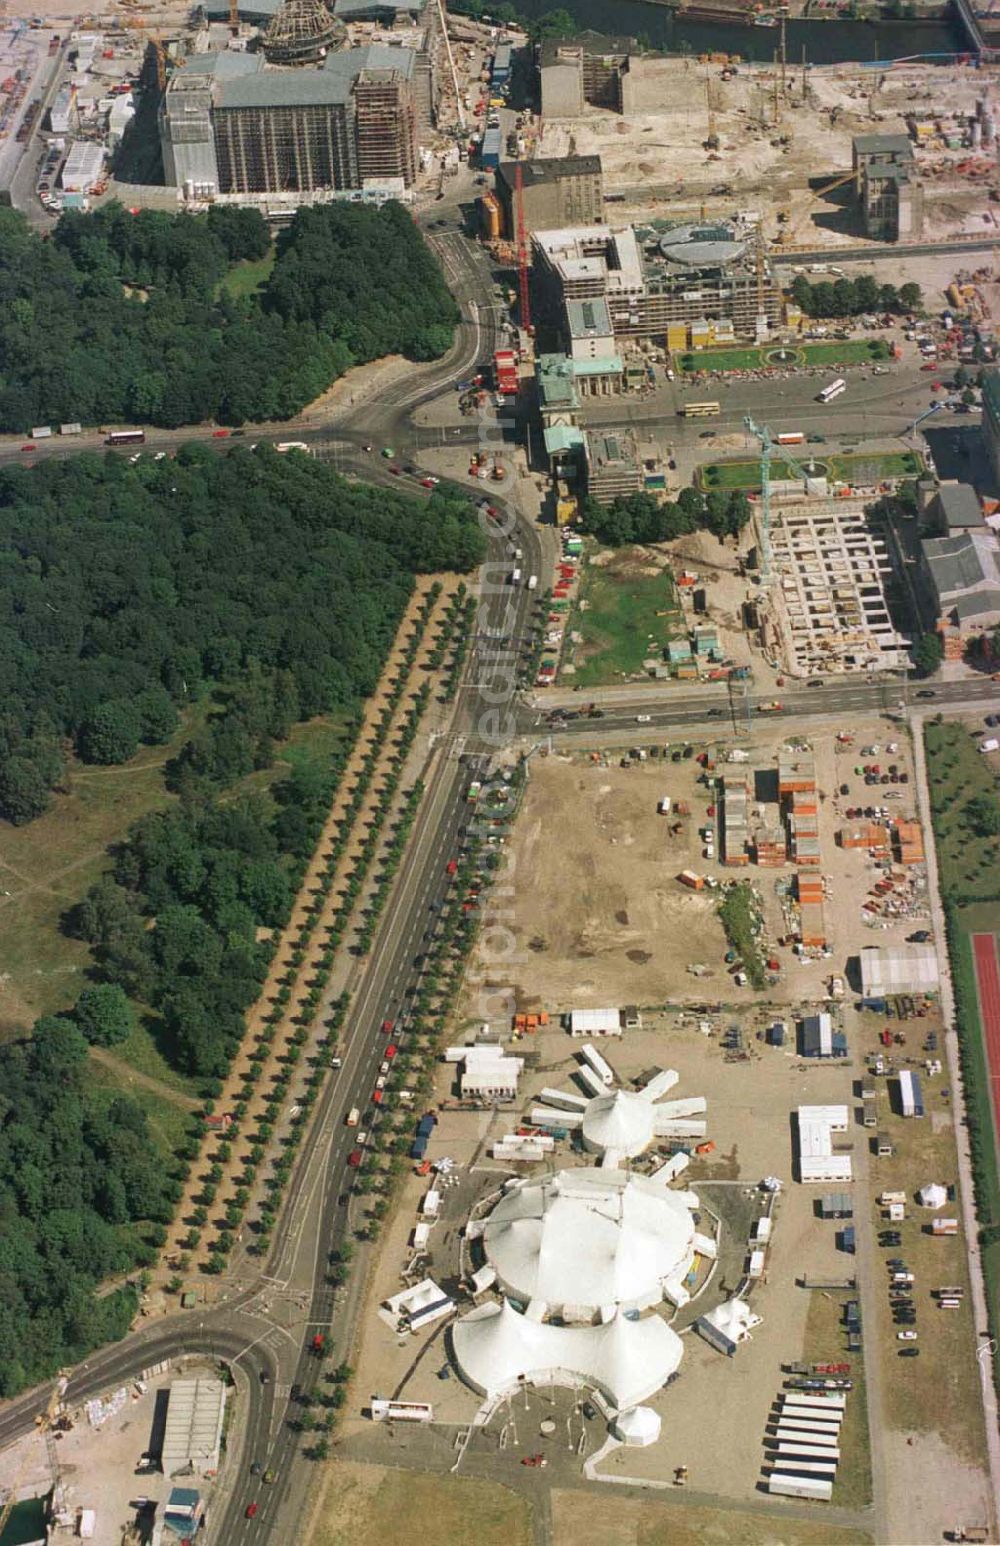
[(790, 232), (762, 433), (522, 249), (43, 1423), (712, 140), (138, 24)]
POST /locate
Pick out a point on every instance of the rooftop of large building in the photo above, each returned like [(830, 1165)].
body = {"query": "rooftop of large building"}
[(594, 251), (887, 145), (966, 572), (551, 170), (588, 319), (596, 44), (245, 80)]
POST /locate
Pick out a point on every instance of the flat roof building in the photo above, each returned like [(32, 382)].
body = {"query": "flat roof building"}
[(818, 1161), (193, 1430), (889, 969), (560, 191)]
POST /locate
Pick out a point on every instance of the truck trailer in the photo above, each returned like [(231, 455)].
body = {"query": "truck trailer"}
[(787, 1486)]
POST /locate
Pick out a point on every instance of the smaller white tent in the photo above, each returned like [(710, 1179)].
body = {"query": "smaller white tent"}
[(637, 1427), (727, 1325), (933, 1195)]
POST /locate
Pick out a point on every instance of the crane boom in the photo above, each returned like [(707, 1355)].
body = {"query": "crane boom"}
[(762, 433), (522, 249)]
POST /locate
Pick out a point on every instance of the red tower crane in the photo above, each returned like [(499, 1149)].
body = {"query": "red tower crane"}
[(522, 248)]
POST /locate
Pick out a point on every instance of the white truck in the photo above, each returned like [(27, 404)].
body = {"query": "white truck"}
[(533, 582)]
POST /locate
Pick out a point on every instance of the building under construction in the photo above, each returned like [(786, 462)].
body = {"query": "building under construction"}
[(827, 608), (231, 124), (682, 284)]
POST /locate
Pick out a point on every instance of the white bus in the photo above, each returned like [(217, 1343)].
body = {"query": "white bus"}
[(292, 445), (792, 437), (833, 390)]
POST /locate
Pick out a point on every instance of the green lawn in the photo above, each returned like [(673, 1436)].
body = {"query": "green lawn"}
[(852, 467), (248, 277), (826, 1342), (170, 1122), (838, 351), (627, 612), (957, 773)]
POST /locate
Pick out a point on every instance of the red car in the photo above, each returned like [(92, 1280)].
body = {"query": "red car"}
[(931, 365), (355, 1157), (427, 483), (377, 1097), (251, 1510), (391, 1050), (387, 1026), (396, 471), (220, 434), (30, 447)]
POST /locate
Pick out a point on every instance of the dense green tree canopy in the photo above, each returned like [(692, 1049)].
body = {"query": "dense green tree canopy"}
[(125, 591), (77, 1171), (120, 318), (644, 518)]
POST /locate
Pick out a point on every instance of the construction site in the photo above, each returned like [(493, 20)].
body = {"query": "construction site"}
[(725, 134), (833, 574)]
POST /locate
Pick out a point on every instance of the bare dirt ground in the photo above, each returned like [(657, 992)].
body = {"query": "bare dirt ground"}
[(598, 914)]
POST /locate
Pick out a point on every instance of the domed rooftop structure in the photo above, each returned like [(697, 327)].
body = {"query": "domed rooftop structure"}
[(301, 32), (583, 1242), (701, 246), (622, 1120)]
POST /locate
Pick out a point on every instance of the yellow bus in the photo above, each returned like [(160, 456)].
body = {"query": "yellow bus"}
[(699, 410)]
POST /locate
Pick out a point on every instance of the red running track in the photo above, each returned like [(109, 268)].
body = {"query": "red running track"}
[(984, 955)]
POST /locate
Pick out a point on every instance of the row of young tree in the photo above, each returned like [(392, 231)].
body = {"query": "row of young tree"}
[(854, 297), (130, 593), (124, 318), (643, 518), (179, 928)]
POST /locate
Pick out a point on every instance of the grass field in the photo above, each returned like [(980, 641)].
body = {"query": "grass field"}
[(366, 1505), (47, 866), (826, 1342), (629, 1521), (957, 773), (844, 468), (627, 611), (969, 866), (846, 351), (248, 277)]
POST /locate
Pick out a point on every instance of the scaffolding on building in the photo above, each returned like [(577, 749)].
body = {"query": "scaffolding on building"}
[(300, 33)]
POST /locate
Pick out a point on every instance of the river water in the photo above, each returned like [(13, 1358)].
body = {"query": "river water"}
[(825, 42)]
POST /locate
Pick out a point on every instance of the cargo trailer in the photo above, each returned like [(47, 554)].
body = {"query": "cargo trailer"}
[(786, 1486)]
